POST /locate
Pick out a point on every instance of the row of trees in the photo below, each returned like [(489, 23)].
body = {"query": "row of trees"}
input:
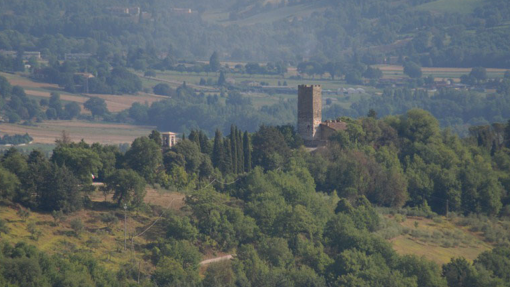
[(89, 76), (453, 108), (15, 139)]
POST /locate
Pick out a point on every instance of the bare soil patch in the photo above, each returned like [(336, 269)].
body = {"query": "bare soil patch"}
[(166, 199), (172, 200), (27, 83)]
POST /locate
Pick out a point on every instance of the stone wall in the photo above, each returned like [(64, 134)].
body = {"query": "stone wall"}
[(309, 112)]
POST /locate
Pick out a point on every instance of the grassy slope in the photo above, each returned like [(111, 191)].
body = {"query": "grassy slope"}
[(109, 249), (470, 245), (109, 246)]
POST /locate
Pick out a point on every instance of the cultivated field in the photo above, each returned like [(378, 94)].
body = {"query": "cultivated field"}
[(266, 17), (47, 131), (115, 103), (392, 71), (451, 6)]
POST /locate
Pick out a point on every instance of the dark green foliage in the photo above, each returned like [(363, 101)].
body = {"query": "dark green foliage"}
[(427, 272), (180, 228), (77, 226), (188, 110), (218, 153), (122, 81), (450, 107), (497, 261), (176, 263), (412, 69), (227, 161), (24, 265), (156, 137), (72, 110), (96, 106), (373, 73), (145, 158), (458, 272), (269, 148), (219, 274), (80, 158), (221, 79), (5, 87), (3, 227), (362, 213), (226, 225), (247, 152), (163, 89), (283, 219), (9, 183), (214, 62), (479, 73), (19, 106), (59, 190), (128, 187)]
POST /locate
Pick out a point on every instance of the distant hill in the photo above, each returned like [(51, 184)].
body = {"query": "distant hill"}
[(461, 33)]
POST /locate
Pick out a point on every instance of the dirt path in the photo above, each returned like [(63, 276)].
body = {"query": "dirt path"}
[(217, 259)]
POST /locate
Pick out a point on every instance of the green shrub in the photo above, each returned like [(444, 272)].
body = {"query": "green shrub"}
[(447, 243), (437, 234), (77, 226), (400, 218), (34, 231), (3, 227)]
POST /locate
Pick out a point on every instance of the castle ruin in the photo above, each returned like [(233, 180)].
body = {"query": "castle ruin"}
[(310, 126)]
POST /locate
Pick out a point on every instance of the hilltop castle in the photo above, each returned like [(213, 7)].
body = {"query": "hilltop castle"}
[(311, 128)]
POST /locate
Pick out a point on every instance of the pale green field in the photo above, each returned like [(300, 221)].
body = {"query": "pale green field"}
[(451, 6), (267, 17), (433, 249)]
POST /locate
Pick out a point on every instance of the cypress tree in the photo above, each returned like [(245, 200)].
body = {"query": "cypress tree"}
[(226, 166), (247, 152), (507, 135), (233, 148), (194, 137), (218, 153), (205, 145), (240, 153)]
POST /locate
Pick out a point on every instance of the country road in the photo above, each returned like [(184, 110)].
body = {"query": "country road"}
[(217, 259)]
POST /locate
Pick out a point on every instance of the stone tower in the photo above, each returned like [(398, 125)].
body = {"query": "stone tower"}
[(309, 113)]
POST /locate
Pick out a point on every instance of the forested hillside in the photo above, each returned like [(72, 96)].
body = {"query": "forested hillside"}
[(290, 216), (476, 35), (414, 191)]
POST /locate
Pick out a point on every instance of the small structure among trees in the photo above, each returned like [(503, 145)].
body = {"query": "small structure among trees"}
[(169, 139)]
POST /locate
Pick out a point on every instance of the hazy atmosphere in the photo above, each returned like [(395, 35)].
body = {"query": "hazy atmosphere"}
[(255, 143)]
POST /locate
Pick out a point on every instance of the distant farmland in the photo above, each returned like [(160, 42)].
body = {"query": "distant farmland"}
[(104, 133)]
